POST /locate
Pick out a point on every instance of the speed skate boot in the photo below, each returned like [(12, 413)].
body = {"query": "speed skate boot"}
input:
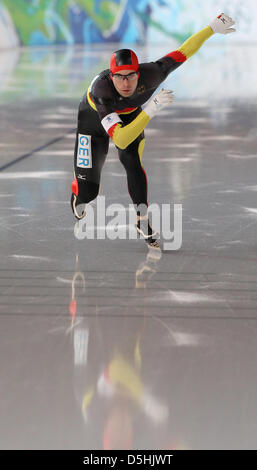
[(74, 203), (75, 200), (145, 229)]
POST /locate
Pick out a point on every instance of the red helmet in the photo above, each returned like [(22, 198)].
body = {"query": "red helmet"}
[(124, 59)]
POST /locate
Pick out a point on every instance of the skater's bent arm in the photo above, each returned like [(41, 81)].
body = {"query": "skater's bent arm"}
[(174, 59), (123, 136)]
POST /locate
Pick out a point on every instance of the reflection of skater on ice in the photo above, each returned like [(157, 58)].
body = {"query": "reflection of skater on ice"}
[(109, 378), (147, 268)]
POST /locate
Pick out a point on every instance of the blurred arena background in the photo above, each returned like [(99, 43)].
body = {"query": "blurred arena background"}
[(45, 22), (152, 26)]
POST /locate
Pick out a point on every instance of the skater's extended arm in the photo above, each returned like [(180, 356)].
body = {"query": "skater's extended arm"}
[(222, 24)]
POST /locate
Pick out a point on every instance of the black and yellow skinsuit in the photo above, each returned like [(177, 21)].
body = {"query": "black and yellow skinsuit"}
[(104, 113)]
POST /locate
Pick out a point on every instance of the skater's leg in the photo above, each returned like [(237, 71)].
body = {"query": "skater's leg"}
[(90, 153), (85, 186), (131, 158)]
